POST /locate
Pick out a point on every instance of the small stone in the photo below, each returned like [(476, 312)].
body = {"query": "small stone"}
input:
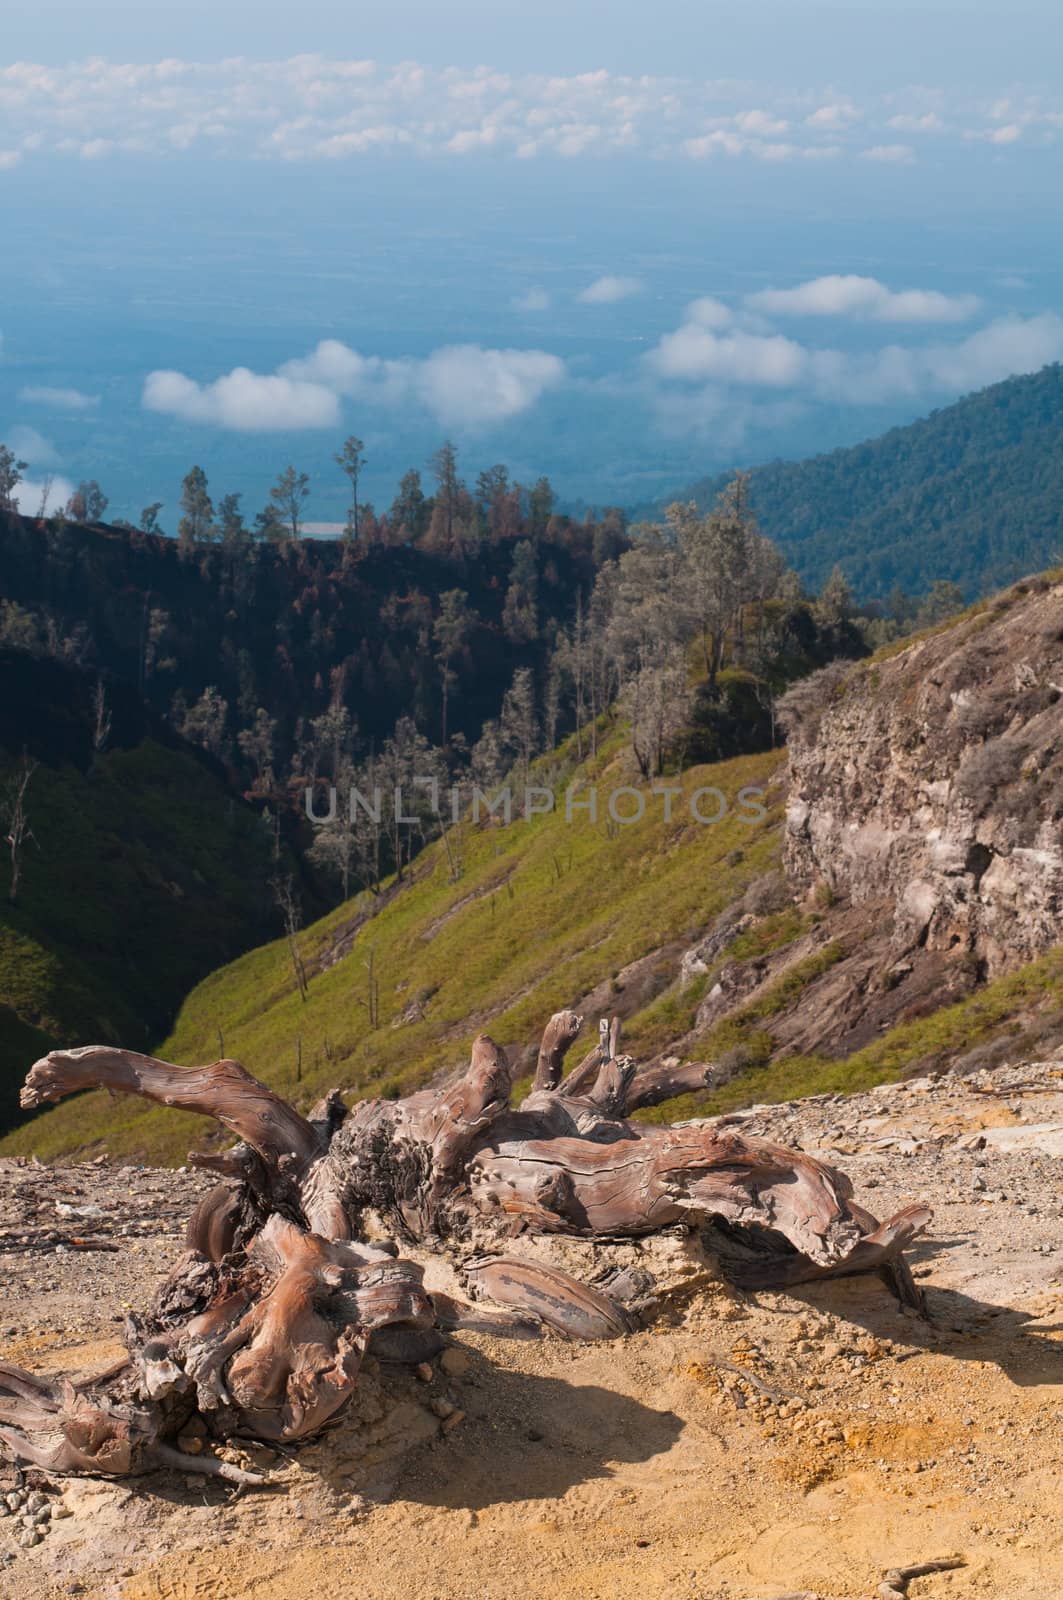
[(978, 1182), (452, 1421), (28, 1539), (61, 1510), (425, 1371), (190, 1444), (455, 1363), (442, 1408)]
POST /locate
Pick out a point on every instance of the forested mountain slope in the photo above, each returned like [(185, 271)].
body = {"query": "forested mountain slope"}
[(972, 494), (260, 638), (784, 951)]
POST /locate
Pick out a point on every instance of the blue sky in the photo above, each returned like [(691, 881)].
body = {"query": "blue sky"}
[(623, 245)]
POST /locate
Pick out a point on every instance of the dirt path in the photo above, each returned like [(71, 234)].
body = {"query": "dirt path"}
[(741, 1448)]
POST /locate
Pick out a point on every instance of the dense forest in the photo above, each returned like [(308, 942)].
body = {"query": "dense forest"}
[(972, 494), (456, 637)]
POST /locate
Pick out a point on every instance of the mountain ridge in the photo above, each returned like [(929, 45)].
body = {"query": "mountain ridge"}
[(971, 494)]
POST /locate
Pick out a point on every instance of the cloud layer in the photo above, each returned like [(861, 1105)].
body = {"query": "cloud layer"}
[(310, 107), (461, 386), (847, 295), (245, 401), (715, 346)]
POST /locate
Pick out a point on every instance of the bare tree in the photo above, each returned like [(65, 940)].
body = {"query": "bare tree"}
[(14, 818), (519, 722), (658, 703), (352, 459), (46, 495), (101, 720), (288, 904), (449, 632)]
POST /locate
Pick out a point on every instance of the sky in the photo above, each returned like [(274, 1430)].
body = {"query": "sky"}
[(618, 244)]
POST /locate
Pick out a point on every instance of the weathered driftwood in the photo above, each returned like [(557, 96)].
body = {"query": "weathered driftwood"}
[(897, 1579), (295, 1259)]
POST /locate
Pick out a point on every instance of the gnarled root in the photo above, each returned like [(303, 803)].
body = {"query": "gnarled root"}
[(275, 1351), (263, 1326), (55, 1426)]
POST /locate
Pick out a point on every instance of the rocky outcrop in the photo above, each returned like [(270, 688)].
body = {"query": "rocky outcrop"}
[(931, 784)]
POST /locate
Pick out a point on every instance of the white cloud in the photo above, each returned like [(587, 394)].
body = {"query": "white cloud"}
[(461, 385), (899, 154), (697, 351), (708, 312), (606, 291), (58, 399), (836, 114), (1006, 135), (849, 295), (760, 123), (9, 159), (32, 447), (724, 352), (531, 300), (469, 386), (336, 366), (52, 492), (244, 401)]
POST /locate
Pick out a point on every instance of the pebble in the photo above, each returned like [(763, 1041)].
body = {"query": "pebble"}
[(455, 1363)]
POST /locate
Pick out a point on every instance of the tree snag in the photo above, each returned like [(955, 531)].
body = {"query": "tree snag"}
[(322, 1230)]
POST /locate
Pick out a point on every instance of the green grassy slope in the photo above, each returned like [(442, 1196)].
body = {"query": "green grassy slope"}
[(543, 912)]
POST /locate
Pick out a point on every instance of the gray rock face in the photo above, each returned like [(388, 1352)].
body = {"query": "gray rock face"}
[(933, 782)]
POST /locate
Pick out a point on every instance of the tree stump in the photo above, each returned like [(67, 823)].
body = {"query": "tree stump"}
[(300, 1256)]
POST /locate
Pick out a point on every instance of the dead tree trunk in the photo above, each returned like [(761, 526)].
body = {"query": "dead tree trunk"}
[(262, 1326)]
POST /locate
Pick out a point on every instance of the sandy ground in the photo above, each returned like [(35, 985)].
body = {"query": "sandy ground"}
[(742, 1448)]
